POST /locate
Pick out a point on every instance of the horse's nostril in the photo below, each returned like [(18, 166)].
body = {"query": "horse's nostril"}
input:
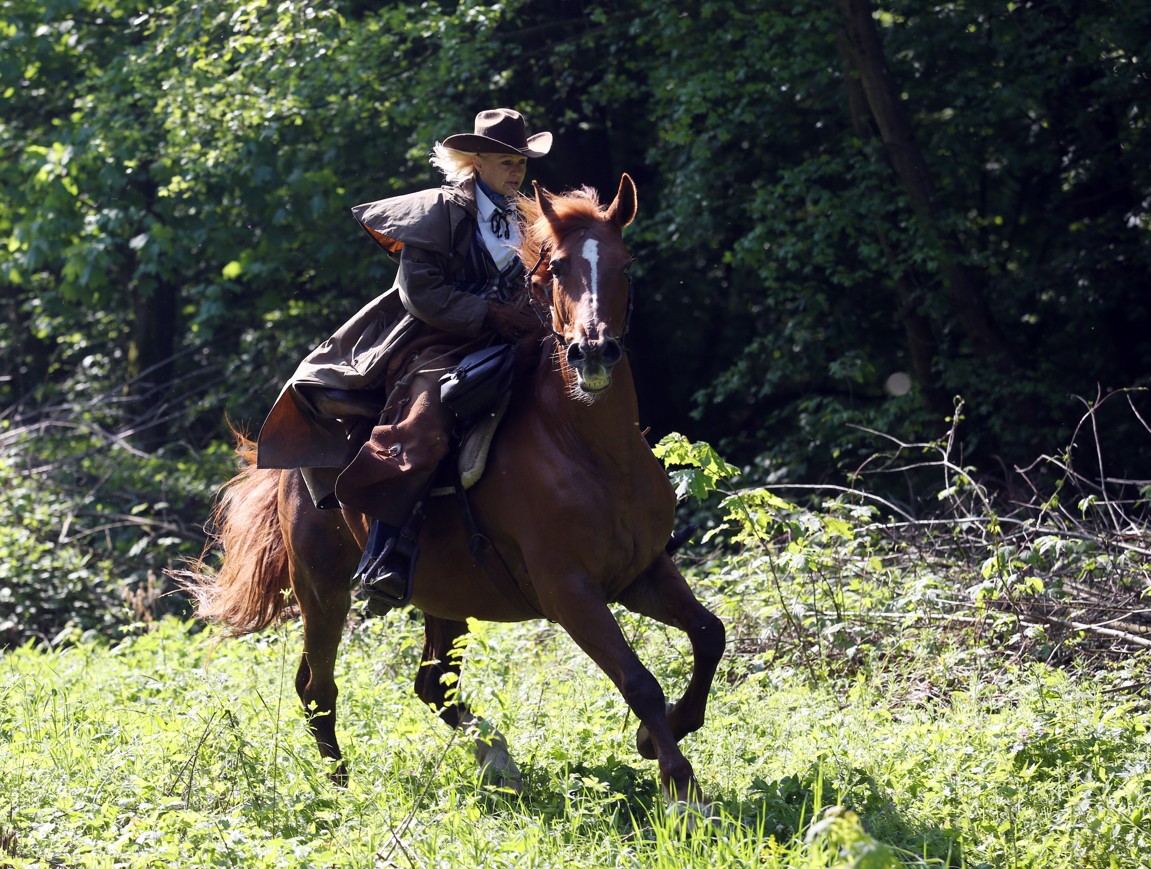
[(575, 354), (611, 352)]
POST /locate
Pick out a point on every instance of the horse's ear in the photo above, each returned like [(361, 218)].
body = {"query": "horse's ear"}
[(543, 200), (622, 209)]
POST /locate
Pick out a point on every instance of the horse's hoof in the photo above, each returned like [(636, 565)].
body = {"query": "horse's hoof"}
[(339, 775), (503, 782), (497, 769), (692, 817)]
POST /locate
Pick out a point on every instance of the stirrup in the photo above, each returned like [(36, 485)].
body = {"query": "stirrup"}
[(387, 579)]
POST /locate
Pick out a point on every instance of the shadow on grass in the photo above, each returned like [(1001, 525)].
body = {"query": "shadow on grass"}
[(795, 807)]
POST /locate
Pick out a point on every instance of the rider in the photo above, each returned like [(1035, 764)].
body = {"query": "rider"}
[(458, 275)]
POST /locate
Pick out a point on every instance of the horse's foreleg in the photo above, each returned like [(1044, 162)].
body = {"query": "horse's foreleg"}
[(663, 594), (584, 614), (436, 684)]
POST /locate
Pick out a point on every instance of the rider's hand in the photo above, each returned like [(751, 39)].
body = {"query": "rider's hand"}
[(510, 322)]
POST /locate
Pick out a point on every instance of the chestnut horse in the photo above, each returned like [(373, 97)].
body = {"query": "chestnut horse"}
[(576, 509)]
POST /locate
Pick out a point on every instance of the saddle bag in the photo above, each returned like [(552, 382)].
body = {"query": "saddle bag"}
[(479, 382)]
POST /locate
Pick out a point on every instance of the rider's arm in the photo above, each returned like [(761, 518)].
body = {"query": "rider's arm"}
[(428, 294)]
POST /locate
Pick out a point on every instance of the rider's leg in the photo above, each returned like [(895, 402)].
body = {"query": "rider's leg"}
[(387, 479)]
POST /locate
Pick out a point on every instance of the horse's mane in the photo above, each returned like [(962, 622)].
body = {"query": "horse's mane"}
[(574, 209)]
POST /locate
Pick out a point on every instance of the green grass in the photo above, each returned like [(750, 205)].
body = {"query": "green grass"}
[(146, 753)]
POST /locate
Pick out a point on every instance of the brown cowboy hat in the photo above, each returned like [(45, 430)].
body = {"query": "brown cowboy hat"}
[(500, 131)]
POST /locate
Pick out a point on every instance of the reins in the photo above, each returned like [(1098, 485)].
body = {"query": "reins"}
[(479, 544), (546, 318)]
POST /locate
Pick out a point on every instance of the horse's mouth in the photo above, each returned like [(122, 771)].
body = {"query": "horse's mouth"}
[(594, 384)]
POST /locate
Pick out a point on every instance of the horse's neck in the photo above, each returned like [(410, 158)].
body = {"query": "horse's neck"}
[(608, 425)]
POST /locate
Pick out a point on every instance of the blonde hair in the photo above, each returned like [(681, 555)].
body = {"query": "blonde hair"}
[(455, 165)]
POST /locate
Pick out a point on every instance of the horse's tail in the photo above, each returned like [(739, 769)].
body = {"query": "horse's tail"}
[(248, 591)]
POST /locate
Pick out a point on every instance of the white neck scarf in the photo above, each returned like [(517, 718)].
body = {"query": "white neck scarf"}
[(502, 249)]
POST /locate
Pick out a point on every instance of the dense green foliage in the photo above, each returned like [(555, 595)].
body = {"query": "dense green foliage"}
[(174, 233), (90, 525), (177, 180)]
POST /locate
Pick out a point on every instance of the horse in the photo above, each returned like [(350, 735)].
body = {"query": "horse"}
[(574, 507)]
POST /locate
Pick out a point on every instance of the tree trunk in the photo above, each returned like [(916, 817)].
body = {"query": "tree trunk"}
[(921, 344), (864, 52), (150, 363), (151, 341)]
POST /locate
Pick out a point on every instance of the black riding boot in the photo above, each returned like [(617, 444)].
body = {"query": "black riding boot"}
[(386, 567)]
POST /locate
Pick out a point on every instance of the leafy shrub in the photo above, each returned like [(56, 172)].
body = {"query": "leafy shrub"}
[(92, 525), (844, 580), (45, 585)]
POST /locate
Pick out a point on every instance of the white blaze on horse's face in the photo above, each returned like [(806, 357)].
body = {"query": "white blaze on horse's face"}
[(592, 350), (591, 254)]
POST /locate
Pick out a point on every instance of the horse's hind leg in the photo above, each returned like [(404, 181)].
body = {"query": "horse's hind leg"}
[(436, 682), (322, 554), (663, 594)]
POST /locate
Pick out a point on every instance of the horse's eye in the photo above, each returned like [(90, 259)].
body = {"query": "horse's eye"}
[(556, 267)]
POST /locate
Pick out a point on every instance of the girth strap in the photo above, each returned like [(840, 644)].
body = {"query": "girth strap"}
[(479, 544)]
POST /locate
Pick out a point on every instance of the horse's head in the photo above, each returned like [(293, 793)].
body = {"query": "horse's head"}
[(582, 278)]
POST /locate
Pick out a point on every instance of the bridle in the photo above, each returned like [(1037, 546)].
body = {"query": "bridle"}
[(545, 310)]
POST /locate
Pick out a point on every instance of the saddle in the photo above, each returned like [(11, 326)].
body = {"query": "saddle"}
[(473, 435)]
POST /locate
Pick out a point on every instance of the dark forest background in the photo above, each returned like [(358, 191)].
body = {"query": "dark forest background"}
[(863, 227)]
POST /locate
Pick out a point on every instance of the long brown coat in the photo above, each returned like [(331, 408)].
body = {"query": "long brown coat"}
[(431, 231)]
